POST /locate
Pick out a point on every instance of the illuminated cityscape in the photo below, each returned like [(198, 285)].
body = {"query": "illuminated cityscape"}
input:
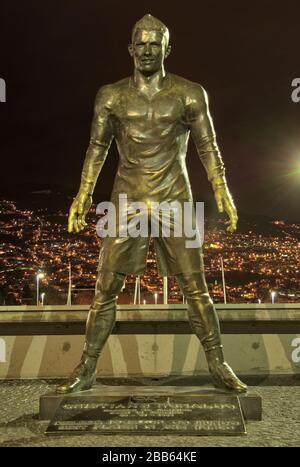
[(257, 261)]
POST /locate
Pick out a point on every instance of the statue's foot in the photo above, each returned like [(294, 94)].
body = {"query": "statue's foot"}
[(80, 380), (225, 378)]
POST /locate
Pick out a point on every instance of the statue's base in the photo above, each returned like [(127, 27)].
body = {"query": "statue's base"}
[(155, 410)]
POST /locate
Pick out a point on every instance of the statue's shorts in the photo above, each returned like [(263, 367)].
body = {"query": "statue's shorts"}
[(177, 243)]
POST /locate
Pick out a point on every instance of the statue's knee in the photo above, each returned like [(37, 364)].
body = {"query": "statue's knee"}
[(103, 299), (104, 284), (206, 299), (201, 296), (109, 284)]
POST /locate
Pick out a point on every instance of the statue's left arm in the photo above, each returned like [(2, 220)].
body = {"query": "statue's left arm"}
[(202, 130)]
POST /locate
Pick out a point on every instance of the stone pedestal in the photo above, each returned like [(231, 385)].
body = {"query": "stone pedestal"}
[(150, 410)]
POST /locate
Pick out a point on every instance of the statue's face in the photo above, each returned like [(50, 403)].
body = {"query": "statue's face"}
[(149, 51)]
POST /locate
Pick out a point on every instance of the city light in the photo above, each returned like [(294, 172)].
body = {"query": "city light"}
[(40, 275), (273, 295)]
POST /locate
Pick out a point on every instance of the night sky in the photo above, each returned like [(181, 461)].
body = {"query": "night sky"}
[(55, 55)]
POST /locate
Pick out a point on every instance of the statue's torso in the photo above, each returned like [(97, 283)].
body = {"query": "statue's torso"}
[(152, 138)]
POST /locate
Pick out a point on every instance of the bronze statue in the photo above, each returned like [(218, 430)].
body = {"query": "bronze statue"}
[(151, 115)]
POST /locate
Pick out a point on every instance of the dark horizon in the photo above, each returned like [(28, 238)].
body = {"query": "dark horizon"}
[(55, 57)]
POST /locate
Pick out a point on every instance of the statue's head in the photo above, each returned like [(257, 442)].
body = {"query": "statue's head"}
[(150, 44)]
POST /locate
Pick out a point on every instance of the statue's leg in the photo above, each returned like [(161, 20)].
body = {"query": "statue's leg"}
[(100, 322), (205, 324)]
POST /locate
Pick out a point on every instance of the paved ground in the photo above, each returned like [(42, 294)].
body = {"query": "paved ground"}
[(20, 426)]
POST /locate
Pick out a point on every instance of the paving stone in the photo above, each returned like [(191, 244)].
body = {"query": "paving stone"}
[(20, 425)]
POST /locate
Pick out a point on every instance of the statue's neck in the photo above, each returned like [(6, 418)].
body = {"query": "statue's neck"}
[(149, 84)]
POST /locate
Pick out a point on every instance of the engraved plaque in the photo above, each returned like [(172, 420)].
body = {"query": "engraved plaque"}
[(155, 414)]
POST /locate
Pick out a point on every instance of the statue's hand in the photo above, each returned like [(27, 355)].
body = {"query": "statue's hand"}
[(225, 203), (78, 210)]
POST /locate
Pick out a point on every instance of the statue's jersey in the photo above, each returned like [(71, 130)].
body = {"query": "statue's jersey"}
[(152, 136)]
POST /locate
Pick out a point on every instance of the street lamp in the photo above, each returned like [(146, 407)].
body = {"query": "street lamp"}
[(39, 276), (273, 295), (43, 297)]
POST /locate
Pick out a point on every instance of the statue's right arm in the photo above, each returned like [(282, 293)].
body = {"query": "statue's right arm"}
[(100, 141)]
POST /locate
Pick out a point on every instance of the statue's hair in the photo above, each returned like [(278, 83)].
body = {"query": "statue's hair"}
[(150, 23)]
